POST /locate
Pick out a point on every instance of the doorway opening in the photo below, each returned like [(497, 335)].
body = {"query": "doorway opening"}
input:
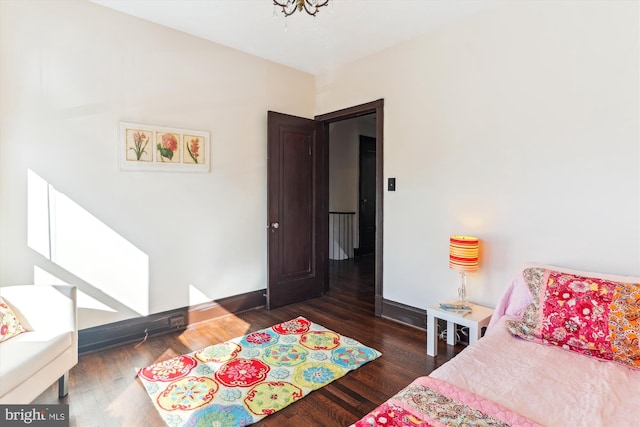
[(354, 137)]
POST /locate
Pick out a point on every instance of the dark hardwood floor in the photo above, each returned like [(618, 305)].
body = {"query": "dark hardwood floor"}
[(104, 390)]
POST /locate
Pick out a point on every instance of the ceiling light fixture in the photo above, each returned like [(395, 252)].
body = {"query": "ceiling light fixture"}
[(309, 6)]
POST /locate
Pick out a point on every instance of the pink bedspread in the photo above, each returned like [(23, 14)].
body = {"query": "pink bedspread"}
[(517, 382), (429, 402), (547, 384)]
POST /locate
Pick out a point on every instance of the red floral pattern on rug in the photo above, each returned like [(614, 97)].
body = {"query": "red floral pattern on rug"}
[(295, 326), (259, 338), (242, 372), (169, 370)]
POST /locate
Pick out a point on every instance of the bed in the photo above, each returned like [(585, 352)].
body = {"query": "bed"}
[(561, 350)]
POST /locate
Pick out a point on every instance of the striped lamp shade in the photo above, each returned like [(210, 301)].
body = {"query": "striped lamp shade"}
[(463, 253)]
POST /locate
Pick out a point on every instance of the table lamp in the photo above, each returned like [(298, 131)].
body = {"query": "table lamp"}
[(463, 257)]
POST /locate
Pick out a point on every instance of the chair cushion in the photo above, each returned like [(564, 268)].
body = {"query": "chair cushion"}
[(24, 355)]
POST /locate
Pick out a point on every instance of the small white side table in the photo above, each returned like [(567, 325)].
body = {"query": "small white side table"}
[(475, 321)]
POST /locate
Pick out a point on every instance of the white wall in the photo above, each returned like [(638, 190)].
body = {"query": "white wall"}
[(518, 125), (70, 71)]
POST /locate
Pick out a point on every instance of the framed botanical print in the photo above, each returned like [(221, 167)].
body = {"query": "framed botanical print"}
[(155, 148)]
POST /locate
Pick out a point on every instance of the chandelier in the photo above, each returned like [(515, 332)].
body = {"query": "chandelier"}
[(309, 6)]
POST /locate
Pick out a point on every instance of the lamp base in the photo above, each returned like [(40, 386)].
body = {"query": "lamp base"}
[(462, 290)]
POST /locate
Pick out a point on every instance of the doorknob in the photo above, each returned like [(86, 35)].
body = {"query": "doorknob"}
[(275, 225)]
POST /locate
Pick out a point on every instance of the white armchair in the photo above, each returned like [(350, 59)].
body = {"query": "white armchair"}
[(32, 361)]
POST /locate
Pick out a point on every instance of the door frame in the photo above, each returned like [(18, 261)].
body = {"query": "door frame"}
[(376, 107)]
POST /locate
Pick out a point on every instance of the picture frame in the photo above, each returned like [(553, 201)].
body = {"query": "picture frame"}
[(143, 147)]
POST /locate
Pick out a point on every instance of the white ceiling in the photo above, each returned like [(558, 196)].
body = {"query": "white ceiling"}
[(342, 32)]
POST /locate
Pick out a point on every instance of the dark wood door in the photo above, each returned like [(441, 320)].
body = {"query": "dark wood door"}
[(298, 205), (367, 194)]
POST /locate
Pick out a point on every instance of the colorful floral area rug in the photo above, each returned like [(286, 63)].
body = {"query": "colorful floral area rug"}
[(238, 382)]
